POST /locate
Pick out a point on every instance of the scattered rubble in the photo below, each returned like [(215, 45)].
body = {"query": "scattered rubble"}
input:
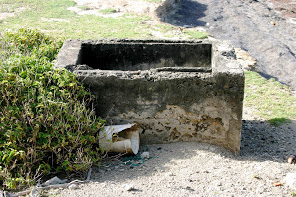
[(128, 187), (73, 186), (53, 181), (292, 159), (246, 60), (145, 155)]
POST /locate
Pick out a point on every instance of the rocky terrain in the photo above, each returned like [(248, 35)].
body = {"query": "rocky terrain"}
[(266, 29)]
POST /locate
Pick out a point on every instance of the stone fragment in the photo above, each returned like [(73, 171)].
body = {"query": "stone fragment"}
[(212, 149), (246, 60), (34, 193), (73, 186), (292, 159), (53, 181), (128, 187), (145, 155)]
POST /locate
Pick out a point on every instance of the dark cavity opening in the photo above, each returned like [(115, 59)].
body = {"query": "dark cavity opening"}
[(145, 56)]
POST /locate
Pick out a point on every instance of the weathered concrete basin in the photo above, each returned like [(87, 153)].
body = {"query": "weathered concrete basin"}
[(174, 90)]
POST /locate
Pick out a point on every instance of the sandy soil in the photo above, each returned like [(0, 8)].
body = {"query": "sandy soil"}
[(286, 7), (121, 6), (198, 169)]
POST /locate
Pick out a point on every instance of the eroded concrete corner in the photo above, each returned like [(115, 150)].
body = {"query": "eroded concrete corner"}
[(174, 90)]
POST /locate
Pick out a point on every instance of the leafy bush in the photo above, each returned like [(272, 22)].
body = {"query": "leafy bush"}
[(45, 124)]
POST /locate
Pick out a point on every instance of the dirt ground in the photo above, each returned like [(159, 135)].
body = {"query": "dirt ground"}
[(286, 7), (121, 6), (198, 169)]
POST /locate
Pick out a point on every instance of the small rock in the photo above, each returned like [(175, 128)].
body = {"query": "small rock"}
[(73, 186), (187, 26), (128, 187), (145, 155), (171, 174), (34, 193), (291, 159), (212, 149), (55, 180), (189, 188)]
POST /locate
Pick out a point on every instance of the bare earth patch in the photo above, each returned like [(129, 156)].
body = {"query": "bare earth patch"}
[(9, 12), (121, 6), (286, 7)]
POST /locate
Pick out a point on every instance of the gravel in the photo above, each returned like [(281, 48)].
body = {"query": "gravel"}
[(199, 169)]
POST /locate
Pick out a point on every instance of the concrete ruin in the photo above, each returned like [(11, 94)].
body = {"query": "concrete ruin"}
[(174, 90)]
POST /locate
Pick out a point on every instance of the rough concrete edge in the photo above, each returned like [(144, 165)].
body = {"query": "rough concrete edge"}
[(69, 54), (146, 41), (223, 53)]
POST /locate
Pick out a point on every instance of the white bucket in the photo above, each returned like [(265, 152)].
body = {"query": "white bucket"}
[(120, 138)]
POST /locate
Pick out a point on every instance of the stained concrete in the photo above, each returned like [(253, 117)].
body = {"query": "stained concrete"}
[(174, 90)]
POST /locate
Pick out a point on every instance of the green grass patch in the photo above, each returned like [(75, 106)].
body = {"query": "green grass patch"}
[(107, 11), (195, 34), (271, 100), (42, 15), (163, 28), (278, 121), (83, 7), (86, 26)]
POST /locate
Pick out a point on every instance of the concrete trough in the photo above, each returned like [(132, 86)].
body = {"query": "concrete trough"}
[(174, 90)]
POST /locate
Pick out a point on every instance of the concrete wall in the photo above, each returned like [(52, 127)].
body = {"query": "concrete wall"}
[(171, 102)]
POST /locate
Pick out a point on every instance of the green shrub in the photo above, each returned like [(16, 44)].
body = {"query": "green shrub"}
[(45, 124)]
